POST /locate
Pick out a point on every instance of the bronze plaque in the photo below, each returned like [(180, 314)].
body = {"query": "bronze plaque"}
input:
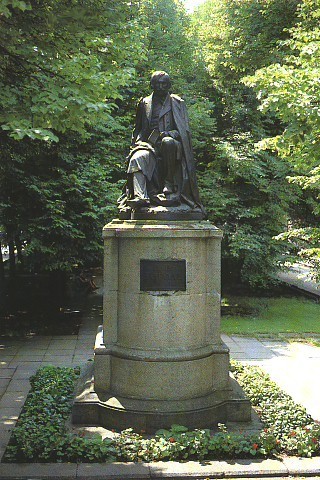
[(162, 275)]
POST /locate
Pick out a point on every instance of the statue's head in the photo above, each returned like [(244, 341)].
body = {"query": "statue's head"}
[(160, 83)]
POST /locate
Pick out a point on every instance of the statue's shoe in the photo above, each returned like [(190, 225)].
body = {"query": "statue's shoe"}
[(168, 189), (166, 200), (138, 202)]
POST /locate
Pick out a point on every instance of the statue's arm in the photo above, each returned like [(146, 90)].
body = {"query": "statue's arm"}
[(185, 115), (187, 128), (138, 123)]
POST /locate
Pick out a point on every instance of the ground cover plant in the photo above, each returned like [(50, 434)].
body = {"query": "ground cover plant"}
[(254, 315), (41, 434)]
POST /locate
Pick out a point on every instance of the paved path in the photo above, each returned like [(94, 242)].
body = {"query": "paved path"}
[(295, 367), (19, 359), (299, 276)]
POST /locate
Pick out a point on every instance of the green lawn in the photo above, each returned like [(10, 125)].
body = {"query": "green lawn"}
[(273, 316)]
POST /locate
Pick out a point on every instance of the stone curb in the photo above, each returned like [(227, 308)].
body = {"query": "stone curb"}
[(290, 466)]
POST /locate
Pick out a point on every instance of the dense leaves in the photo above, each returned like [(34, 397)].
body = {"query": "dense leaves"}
[(64, 66), (246, 192), (61, 67), (71, 74), (292, 92)]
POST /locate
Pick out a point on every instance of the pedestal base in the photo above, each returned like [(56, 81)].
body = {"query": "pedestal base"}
[(159, 358), (115, 412)]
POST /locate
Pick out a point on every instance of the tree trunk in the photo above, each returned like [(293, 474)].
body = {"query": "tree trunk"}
[(2, 280), (1, 265), (12, 257), (19, 251), (59, 285)]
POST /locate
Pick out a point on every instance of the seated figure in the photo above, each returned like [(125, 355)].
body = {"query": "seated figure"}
[(161, 166)]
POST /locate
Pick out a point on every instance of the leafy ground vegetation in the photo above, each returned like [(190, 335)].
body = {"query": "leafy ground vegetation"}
[(41, 434)]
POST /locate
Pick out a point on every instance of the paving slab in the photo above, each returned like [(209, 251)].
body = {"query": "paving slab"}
[(5, 360), (249, 468), (40, 342), (8, 416), (187, 470), (4, 382), (65, 347), (119, 471), (10, 349), (293, 366), (25, 370), (18, 385), (6, 372), (12, 400), (302, 466), (57, 363), (259, 353), (5, 433), (29, 357), (253, 469), (62, 337), (218, 469), (58, 352), (31, 471), (83, 358), (33, 347)]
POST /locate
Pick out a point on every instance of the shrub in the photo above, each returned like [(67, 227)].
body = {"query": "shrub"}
[(41, 433)]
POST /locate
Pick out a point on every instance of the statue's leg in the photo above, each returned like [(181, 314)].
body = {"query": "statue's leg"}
[(140, 186), (169, 158), (141, 168), (140, 193)]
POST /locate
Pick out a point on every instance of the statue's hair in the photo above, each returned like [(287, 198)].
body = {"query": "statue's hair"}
[(157, 75)]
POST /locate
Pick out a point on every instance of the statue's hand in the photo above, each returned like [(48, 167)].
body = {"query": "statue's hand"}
[(171, 133), (164, 134)]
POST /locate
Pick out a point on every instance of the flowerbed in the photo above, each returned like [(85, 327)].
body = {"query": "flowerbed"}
[(41, 434)]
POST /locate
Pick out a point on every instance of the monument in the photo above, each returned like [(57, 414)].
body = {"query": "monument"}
[(158, 358)]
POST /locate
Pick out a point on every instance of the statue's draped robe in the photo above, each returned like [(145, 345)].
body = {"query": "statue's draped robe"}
[(173, 118)]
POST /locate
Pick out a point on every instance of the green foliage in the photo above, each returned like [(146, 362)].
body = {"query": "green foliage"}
[(7, 7), (293, 429), (40, 431), (291, 92), (237, 37), (62, 80), (70, 76), (58, 197), (271, 316), (41, 434), (246, 193), (61, 70)]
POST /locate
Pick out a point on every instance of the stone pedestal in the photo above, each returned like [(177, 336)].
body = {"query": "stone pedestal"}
[(159, 358)]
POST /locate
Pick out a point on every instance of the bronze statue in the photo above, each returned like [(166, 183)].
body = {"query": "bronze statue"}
[(161, 165)]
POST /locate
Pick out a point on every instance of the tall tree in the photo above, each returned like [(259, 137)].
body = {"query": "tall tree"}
[(64, 67), (246, 191), (291, 91)]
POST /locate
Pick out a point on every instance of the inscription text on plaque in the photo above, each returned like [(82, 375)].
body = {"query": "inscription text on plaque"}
[(162, 275)]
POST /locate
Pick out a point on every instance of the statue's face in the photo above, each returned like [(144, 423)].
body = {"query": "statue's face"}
[(161, 86)]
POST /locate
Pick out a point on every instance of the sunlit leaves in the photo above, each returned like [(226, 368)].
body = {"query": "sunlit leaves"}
[(292, 92), (65, 67), (64, 70)]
